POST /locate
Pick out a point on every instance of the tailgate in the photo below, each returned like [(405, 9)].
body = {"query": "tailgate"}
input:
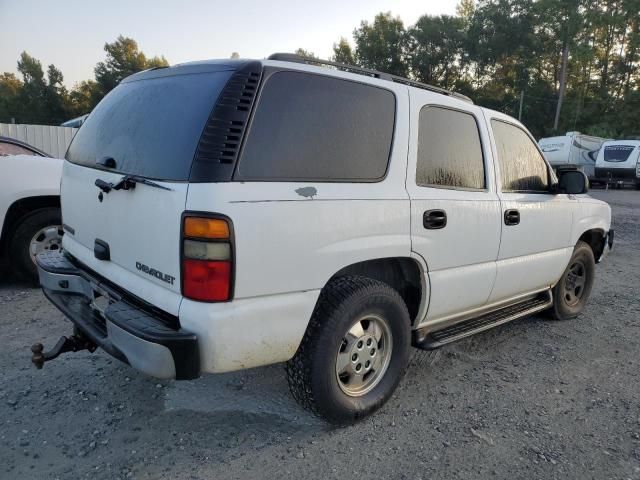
[(140, 226)]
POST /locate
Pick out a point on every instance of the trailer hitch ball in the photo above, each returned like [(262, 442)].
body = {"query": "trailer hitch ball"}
[(74, 343), (37, 358)]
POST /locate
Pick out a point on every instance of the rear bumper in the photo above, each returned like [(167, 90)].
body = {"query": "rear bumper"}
[(147, 339)]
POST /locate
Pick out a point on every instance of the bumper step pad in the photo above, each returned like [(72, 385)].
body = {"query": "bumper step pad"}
[(135, 333)]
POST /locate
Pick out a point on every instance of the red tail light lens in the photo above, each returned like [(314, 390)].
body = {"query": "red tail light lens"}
[(207, 257), (208, 281)]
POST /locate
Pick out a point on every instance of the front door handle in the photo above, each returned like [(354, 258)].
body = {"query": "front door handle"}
[(511, 217), (434, 219)]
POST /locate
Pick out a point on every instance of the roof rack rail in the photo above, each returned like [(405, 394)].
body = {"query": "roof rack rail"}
[(292, 57)]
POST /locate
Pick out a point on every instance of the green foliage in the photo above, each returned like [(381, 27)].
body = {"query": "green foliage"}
[(123, 59), (305, 53), (382, 45), (435, 50), (492, 50), (44, 100), (342, 52)]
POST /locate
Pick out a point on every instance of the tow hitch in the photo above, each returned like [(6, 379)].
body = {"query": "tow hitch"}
[(74, 343)]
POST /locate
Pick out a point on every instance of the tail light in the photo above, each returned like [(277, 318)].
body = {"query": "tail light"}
[(207, 259)]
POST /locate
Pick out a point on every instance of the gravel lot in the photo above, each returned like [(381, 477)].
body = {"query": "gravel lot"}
[(533, 399)]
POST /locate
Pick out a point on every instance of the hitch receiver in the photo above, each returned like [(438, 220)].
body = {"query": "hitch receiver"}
[(74, 343)]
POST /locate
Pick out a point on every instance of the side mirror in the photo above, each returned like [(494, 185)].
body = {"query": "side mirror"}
[(572, 182)]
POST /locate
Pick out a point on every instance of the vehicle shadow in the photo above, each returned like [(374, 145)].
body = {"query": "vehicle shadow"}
[(10, 279)]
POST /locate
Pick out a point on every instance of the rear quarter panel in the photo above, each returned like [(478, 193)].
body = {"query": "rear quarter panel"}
[(293, 236)]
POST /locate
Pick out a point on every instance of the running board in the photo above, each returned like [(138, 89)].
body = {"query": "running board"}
[(428, 338)]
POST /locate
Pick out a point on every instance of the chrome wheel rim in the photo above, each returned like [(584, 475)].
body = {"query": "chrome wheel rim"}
[(363, 355), (574, 283), (47, 238)]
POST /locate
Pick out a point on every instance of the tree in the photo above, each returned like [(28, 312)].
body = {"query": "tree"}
[(465, 10), (382, 45), (32, 94), (123, 59), (436, 49), (83, 98), (342, 53), (55, 96), (305, 53), (10, 88)]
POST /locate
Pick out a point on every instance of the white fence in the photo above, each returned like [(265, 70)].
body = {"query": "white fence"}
[(49, 139)]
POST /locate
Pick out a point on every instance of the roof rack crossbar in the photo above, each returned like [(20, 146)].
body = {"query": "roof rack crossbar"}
[(292, 57)]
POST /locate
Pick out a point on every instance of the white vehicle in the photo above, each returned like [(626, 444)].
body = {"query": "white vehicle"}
[(75, 122), (574, 149), (223, 215), (618, 163), (29, 205)]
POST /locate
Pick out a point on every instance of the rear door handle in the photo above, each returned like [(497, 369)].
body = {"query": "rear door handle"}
[(434, 219), (511, 217)]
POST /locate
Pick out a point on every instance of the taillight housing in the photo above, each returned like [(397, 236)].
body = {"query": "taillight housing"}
[(207, 258)]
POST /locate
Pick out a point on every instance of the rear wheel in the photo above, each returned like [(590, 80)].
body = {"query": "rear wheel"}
[(354, 352), (571, 293), (37, 231)]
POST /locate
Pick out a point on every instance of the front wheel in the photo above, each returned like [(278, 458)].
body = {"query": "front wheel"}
[(354, 352), (571, 293)]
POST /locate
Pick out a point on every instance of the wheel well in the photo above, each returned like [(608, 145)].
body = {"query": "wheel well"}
[(18, 209), (595, 239), (401, 273)]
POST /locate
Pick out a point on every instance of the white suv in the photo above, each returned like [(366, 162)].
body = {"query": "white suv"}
[(223, 215)]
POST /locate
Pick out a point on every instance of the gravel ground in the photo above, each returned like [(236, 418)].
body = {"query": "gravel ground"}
[(532, 399)]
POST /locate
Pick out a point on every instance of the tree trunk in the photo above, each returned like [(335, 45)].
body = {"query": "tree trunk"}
[(563, 82)]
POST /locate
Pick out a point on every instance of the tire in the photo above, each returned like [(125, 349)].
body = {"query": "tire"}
[(352, 312), (580, 274), (47, 222)]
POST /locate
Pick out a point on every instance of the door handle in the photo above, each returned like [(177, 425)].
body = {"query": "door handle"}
[(434, 219), (511, 217)]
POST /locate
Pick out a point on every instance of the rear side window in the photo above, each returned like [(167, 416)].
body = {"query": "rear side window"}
[(7, 149), (449, 150), (617, 153), (522, 168), (151, 127), (314, 128)]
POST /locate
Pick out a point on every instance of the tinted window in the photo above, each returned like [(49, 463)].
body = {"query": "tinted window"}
[(149, 127), (617, 153), (449, 150), (310, 127), (7, 148), (522, 168)]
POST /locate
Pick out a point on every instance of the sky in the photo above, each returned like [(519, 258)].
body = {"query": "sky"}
[(71, 34)]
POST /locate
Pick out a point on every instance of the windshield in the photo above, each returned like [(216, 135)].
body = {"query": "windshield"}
[(151, 127)]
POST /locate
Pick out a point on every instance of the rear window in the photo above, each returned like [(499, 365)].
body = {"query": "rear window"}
[(151, 127), (315, 128), (617, 153)]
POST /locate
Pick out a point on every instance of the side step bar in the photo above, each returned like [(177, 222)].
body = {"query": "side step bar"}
[(428, 338)]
